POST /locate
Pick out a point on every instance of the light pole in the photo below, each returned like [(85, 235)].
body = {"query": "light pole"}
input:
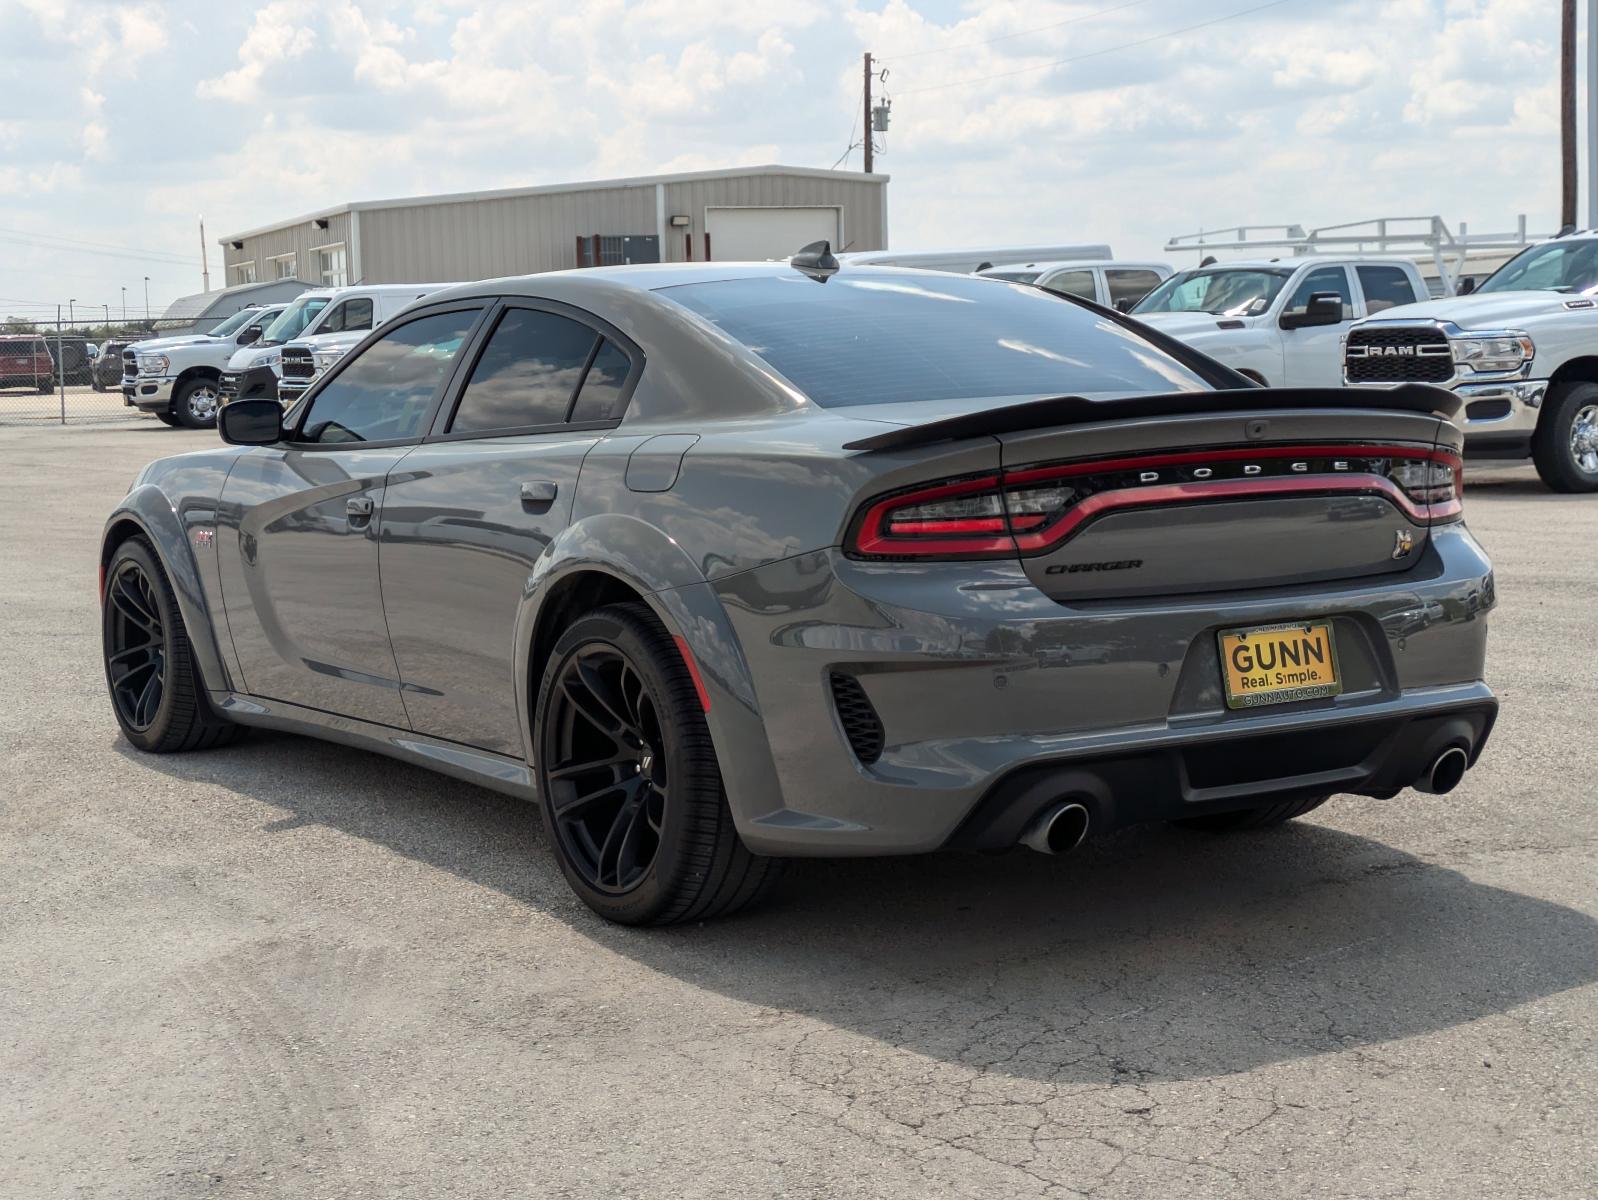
[(70, 318), (124, 306), (107, 308), (146, 299)]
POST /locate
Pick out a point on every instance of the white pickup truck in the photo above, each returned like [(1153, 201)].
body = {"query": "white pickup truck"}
[(1521, 350), (178, 378), (1279, 321), (256, 370)]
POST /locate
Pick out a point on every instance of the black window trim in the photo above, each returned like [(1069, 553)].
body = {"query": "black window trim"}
[(294, 419), (603, 331)]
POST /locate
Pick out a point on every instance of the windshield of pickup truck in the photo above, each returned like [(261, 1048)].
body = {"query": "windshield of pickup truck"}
[(1222, 291), (235, 323), (1570, 266), (293, 321), (1016, 276)]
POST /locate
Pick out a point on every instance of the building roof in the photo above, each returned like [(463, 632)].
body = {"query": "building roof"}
[(229, 299), (555, 188)]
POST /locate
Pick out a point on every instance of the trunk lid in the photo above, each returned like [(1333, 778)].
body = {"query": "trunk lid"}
[(1180, 504)]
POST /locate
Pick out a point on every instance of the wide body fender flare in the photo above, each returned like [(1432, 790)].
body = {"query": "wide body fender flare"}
[(149, 509), (649, 562)]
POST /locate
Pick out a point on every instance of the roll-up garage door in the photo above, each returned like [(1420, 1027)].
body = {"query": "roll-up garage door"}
[(745, 234)]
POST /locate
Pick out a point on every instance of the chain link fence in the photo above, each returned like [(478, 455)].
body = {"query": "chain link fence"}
[(55, 373)]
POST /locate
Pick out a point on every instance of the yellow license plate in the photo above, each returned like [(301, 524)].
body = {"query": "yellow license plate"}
[(1277, 664)]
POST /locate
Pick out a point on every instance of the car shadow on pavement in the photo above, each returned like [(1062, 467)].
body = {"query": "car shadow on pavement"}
[(1153, 954)]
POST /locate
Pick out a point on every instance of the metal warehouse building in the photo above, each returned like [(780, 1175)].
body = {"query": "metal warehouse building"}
[(742, 213)]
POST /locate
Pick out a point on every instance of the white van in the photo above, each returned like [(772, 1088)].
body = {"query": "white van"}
[(967, 262), (1114, 284), (322, 310)]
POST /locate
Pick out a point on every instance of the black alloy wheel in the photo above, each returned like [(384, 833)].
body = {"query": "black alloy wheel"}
[(628, 780), (135, 646), (607, 770), (156, 691)]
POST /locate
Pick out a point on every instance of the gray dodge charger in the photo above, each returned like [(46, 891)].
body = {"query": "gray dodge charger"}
[(727, 563)]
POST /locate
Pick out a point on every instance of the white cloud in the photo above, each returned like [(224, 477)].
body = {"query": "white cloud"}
[(281, 32), (130, 123)]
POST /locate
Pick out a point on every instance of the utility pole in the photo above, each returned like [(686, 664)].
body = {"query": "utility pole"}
[(1567, 114), (868, 111), (1592, 114), (205, 259), (146, 299), (124, 306)]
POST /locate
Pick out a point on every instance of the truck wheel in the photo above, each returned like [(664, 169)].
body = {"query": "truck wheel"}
[(196, 403), (166, 418), (1565, 446)]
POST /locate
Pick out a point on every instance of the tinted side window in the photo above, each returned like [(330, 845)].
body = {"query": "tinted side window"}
[(352, 314), (602, 386), (1130, 286), (386, 391), (527, 374), (1323, 279), (1073, 283), (1385, 287)]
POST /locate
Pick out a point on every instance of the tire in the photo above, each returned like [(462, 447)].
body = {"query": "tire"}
[(195, 404), (156, 692), (1252, 818), (46, 387), (628, 781), (167, 418), (1565, 445)]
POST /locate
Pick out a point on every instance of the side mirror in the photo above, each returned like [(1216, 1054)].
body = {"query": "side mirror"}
[(250, 334), (1324, 308), (1467, 285), (251, 422), (1125, 304)]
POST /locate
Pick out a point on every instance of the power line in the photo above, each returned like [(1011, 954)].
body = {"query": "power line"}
[(50, 241), (850, 148), (1005, 37), (937, 87)]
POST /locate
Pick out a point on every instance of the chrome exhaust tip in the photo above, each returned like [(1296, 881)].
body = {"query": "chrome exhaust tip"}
[(1444, 774), (1058, 830)]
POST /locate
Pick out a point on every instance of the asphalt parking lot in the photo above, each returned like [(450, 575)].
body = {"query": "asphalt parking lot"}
[(291, 969)]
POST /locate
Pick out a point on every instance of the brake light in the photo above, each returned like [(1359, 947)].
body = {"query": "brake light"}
[(1034, 509)]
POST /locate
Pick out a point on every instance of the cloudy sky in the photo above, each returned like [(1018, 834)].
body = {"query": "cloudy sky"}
[(1013, 121)]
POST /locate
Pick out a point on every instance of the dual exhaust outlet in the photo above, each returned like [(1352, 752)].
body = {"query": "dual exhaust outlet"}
[(1063, 827)]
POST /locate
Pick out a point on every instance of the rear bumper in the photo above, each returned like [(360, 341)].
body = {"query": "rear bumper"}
[(983, 686), (1379, 755)]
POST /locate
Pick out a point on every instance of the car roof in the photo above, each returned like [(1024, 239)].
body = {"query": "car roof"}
[(653, 277)]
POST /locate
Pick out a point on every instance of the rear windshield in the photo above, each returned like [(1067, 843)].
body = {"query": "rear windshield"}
[(868, 338)]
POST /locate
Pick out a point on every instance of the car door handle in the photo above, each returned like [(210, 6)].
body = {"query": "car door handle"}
[(358, 510), (539, 491)]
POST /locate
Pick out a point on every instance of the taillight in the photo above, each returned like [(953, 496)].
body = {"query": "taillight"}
[(1033, 509)]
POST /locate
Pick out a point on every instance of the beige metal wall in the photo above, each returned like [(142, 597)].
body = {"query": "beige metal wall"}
[(865, 219), (301, 240), (518, 235), (485, 239)]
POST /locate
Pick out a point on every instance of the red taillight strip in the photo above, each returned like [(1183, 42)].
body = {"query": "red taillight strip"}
[(1147, 461), (872, 540), (980, 537), (1222, 489)]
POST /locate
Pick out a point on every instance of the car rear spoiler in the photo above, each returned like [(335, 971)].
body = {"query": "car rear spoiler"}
[(1078, 410)]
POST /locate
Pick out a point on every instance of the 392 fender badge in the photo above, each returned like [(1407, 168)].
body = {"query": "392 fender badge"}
[(1403, 543)]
